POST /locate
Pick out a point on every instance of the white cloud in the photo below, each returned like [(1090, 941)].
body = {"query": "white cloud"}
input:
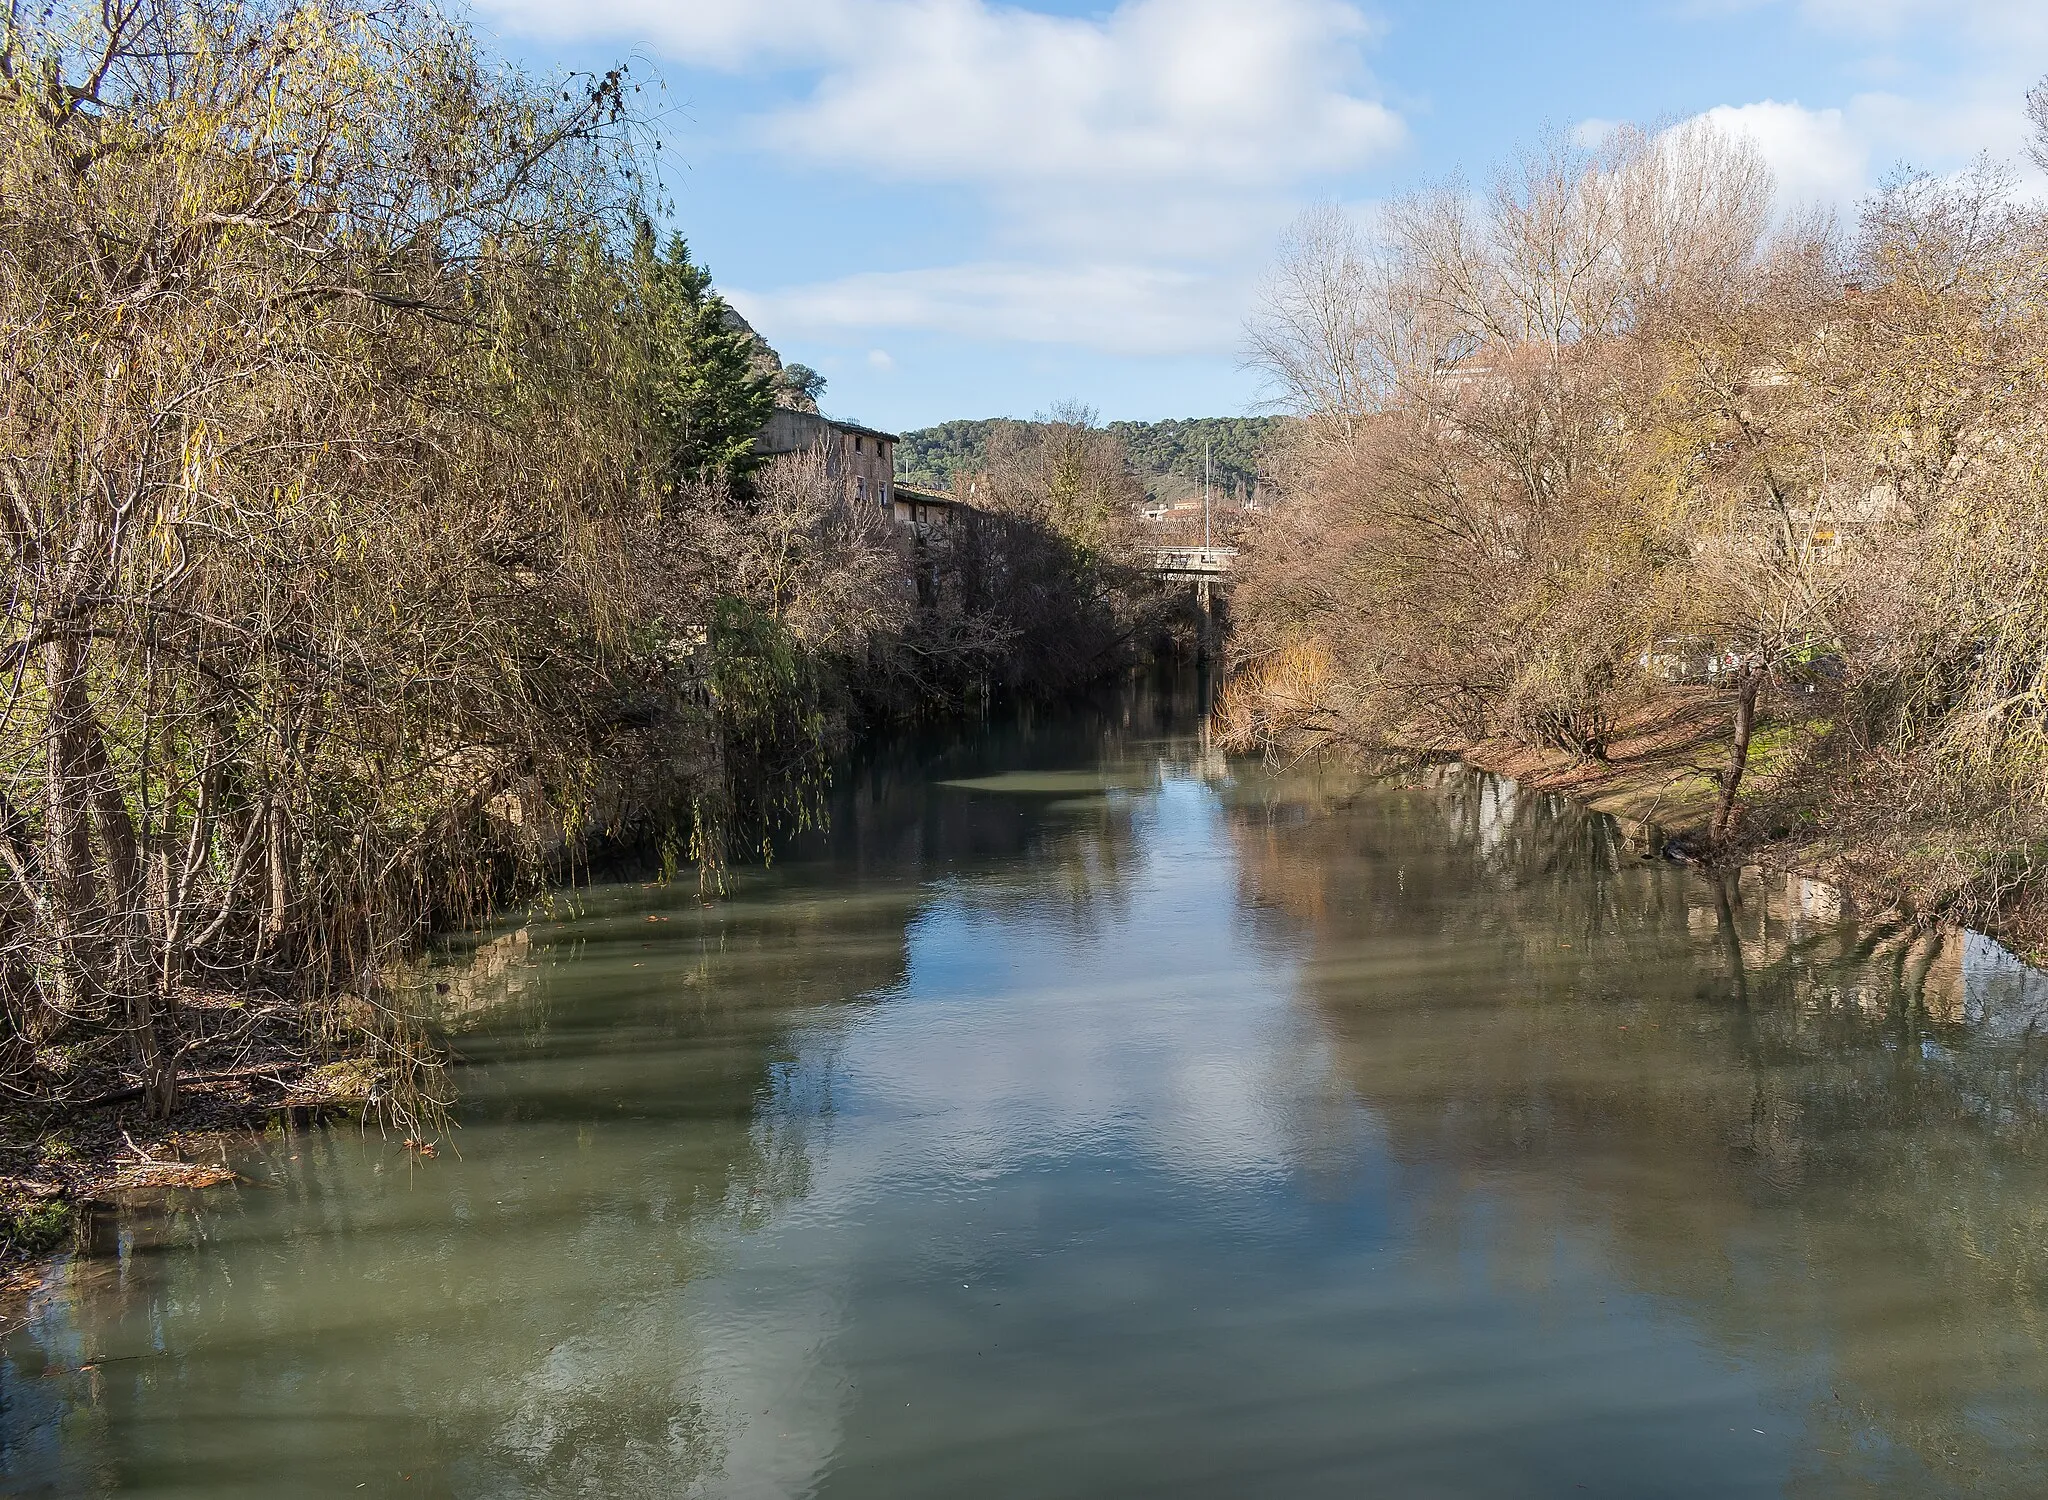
[(1129, 162), (1115, 308), (1817, 156), (1592, 133), (1960, 70), (1207, 91), (1136, 164), (1835, 157), (1997, 22), (880, 361), (966, 91), (728, 34)]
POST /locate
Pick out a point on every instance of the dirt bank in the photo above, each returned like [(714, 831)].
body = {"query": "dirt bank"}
[(1659, 769), (98, 1143), (1660, 778)]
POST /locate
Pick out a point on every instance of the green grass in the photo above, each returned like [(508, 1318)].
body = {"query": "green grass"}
[(33, 1226)]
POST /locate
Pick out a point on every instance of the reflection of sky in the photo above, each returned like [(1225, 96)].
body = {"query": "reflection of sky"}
[(1026, 1032), (1025, 1043), (2001, 995), (1059, 1234), (1083, 1200)]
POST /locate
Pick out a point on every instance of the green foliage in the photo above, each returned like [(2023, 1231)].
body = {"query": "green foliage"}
[(803, 385), (776, 749), (33, 1226), (374, 588), (708, 394), (1175, 447), (932, 456)]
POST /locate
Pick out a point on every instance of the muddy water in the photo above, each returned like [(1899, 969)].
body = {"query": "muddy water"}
[(1092, 1117)]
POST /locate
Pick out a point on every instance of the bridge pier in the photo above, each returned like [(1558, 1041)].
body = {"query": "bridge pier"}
[(1207, 568)]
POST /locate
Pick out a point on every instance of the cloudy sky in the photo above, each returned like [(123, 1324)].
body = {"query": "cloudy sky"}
[(962, 208)]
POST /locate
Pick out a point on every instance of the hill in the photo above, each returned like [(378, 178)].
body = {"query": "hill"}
[(1167, 455)]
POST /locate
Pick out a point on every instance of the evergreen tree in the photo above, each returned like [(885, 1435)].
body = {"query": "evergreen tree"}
[(803, 385), (709, 392)]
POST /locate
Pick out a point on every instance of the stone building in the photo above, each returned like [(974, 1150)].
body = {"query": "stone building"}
[(864, 455), (926, 510)]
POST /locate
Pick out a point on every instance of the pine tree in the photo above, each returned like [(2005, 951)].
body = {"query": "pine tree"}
[(708, 393)]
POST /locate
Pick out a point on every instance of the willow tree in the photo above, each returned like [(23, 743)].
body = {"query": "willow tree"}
[(310, 420)]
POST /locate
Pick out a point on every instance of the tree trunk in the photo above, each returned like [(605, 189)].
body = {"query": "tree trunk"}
[(277, 903), (112, 945), (1748, 686), (67, 840), (20, 923)]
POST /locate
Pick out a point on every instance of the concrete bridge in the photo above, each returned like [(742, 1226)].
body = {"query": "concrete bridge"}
[(1202, 564), (1205, 568)]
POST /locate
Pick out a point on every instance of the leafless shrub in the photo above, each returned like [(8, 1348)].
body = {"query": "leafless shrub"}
[(1626, 414)]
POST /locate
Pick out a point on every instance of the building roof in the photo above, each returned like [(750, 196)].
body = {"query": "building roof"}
[(809, 422), (911, 494), (873, 432)]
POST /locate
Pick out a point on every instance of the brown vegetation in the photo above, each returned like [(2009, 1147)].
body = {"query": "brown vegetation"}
[(1054, 549), (1608, 426), (380, 532)]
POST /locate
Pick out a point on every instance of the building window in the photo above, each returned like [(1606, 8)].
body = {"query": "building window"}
[(860, 487), (856, 442)]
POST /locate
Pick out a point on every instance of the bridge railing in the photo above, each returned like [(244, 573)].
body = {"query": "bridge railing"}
[(1199, 561)]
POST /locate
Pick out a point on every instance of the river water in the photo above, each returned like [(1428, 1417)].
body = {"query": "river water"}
[(1091, 1116)]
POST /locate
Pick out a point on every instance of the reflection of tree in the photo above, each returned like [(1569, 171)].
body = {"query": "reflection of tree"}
[(900, 808), (520, 1318), (648, 1074), (1805, 1133)]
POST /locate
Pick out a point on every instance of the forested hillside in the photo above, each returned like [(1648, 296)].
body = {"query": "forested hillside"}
[(1235, 447), (932, 455)]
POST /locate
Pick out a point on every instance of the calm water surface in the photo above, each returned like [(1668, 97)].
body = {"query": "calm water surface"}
[(1092, 1117)]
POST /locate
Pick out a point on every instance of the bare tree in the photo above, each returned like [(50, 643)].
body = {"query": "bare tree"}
[(2037, 112), (1628, 414), (1325, 328), (1472, 554), (295, 298)]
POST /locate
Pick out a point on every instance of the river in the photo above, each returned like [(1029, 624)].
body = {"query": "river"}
[(1089, 1115)]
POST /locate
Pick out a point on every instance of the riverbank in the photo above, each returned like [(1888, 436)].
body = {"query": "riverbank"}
[(1657, 775), (1659, 780), (255, 1072)]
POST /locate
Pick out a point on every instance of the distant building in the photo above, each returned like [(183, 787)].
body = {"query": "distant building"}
[(866, 456), (922, 510)]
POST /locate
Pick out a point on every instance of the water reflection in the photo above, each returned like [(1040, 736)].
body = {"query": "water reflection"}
[(1085, 1115), (1823, 1141)]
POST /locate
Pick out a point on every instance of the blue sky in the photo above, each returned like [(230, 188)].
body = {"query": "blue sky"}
[(958, 208)]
